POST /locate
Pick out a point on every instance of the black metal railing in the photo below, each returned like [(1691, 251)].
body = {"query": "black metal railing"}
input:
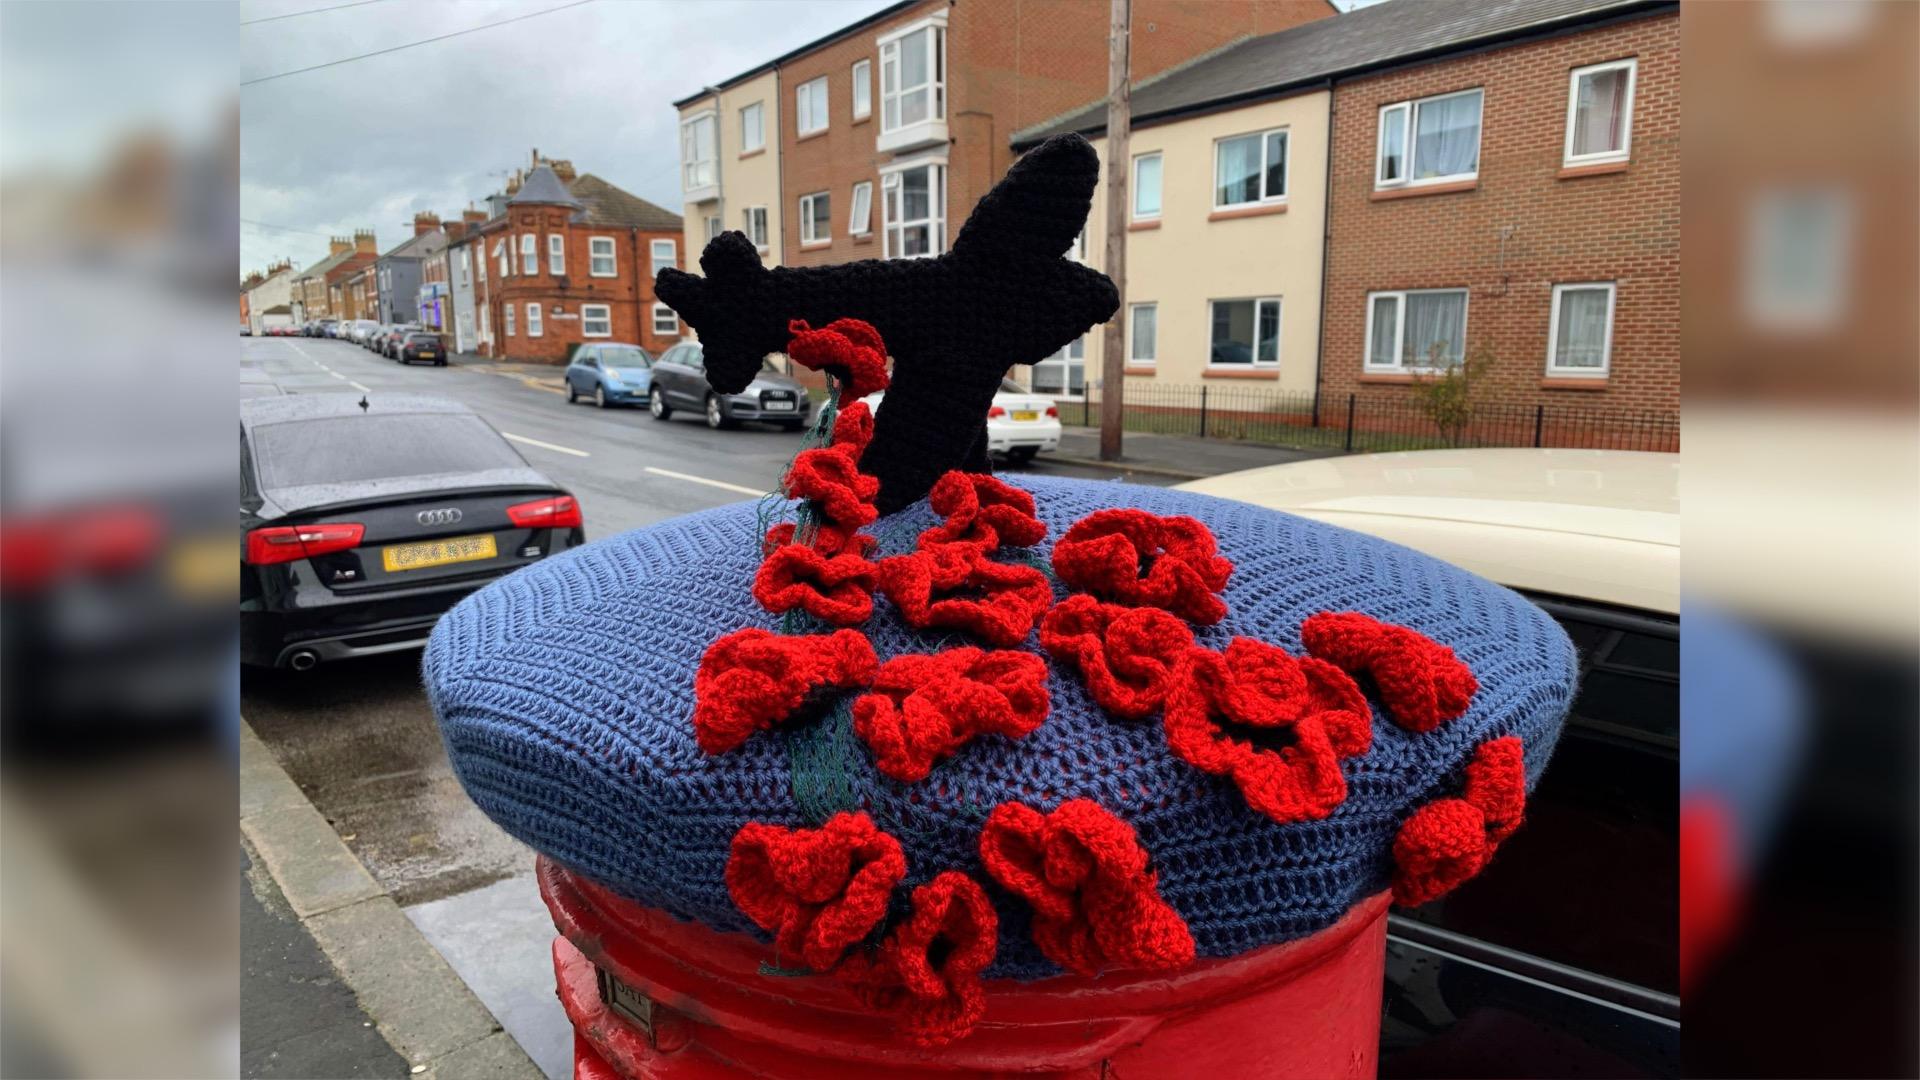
[(1356, 423)]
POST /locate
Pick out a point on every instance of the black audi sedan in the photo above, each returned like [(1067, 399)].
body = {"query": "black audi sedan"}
[(363, 518)]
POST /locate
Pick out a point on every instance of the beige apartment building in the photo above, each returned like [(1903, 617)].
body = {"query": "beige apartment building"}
[(730, 164), (1226, 216)]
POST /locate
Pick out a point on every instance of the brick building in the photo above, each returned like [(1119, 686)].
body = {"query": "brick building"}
[(570, 258), (1522, 199), (316, 290)]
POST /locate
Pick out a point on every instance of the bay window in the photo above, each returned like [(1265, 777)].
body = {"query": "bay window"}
[(1250, 169), (1244, 333), (810, 106), (556, 255), (1416, 330), (913, 86), (914, 208), (501, 255), (600, 257), (1600, 113), (529, 257), (508, 308), (1580, 331), (699, 149), (1430, 141)]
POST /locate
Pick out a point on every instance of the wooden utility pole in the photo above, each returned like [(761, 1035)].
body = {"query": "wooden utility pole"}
[(1113, 365)]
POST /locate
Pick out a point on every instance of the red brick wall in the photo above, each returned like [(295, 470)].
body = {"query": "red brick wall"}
[(628, 295), (1010, 64), (1622, 227)]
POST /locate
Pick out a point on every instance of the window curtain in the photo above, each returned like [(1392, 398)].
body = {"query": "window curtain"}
[(1447, 137), (1435, 319), (1145, 319), (1239, 171), (1583, 329), (1386, 316)]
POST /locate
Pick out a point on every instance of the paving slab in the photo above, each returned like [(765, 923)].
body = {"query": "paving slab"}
[(314, 869), (497, 1057)]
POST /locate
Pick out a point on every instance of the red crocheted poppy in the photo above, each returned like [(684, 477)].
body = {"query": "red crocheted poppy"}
[(826, 540), (981, 511), (1276, 725), (843, 494), (1127, 656), (956, 587), (923, 708), (853, 429), (846, 348), (837, 590), (1421, 682), (753, 679), (928, 969), (1145, 560), (1449, 840), (818, 890), (1096, 904)]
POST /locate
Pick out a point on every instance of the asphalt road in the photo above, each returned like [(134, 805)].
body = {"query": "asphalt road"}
[(359, 738)]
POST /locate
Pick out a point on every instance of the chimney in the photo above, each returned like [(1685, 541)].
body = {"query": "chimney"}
[(364, 243), (473, 217), (425, 222), (513, 183), (338, 244), (456, 231), (563, 170)]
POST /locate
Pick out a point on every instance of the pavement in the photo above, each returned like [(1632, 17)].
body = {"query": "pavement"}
[(379, 900)]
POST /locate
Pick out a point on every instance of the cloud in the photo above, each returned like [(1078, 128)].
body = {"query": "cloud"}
[(366, 144)]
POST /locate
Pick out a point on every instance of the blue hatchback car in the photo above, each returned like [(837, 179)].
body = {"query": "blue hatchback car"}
[(610, 374)]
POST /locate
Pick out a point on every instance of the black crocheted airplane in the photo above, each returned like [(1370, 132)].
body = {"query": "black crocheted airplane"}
[(1004, 295)]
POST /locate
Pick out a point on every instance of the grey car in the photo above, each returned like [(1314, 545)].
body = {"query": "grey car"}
[(680, 382)]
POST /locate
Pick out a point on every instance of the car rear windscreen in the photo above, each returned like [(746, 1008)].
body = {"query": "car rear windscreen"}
[(352, 449)]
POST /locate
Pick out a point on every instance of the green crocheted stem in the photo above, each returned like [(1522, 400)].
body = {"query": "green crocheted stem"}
[(823, 760)]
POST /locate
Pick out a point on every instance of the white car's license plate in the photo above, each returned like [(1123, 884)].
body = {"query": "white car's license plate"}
[(779, 406), (1025, 415)]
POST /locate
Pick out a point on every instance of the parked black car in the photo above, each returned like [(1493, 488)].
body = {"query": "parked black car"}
[(363, 519), (423, 345), (390, 341), (680, 382)]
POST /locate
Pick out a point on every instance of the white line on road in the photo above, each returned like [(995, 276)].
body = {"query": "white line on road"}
[(546, 445), (357, 386), (721, 484), (335, 374)]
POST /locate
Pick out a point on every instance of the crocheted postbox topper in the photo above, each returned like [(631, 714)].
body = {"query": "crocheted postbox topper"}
[(1001, 730)]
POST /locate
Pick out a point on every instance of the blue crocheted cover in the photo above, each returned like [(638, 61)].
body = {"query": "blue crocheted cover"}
[(565, 695)]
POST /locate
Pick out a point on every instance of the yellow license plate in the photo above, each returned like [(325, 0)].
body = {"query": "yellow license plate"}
[(437, 553), (1025, 414)]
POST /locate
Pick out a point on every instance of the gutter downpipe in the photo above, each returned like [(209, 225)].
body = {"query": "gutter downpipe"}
[(1326, 257)]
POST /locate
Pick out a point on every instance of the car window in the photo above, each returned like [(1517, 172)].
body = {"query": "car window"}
[(423, 339), (351, 449), (1606, 810), (625, 356), (696, 357)]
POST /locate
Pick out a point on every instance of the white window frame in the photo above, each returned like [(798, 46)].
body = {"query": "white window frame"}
[(750, 217), (611, 255), (654, 257), (808, 237), (1553, 333), (508, 308), (536, 325), (466, 267), (1254, 363), (556, 255), (1568, 157), (486, 322), (503, 253), (713, 227), (671, 322), (529, 254), (862, 75), (697, 172), (860, 212), (803, 111), (936, 84), (606, 316), (892, 192), (1063, 361), (1411, 109), (1265, 199), (758, 129), (1398, 367), (1134, 359), (1133, 201)]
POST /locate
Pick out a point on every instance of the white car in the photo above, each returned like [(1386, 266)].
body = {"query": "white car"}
[(1019, 424)]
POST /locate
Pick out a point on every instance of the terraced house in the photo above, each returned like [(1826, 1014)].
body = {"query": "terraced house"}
[(570, 258), (1340, 209), (317, 289)]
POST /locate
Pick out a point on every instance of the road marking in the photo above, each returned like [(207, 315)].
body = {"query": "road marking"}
[(546, 445), (357, 386), (541, 386), (691, 479), (335, 374)]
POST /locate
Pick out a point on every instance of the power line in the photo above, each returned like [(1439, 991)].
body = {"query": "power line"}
[(279, 228), (309, 11), (413, 44)]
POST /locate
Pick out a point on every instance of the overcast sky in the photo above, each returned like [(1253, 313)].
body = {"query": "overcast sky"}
[(368, 143)]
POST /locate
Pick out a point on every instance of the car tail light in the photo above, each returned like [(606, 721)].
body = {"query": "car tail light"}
[(285, 543), (562, 512), (996, 413), (1053, 410)]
